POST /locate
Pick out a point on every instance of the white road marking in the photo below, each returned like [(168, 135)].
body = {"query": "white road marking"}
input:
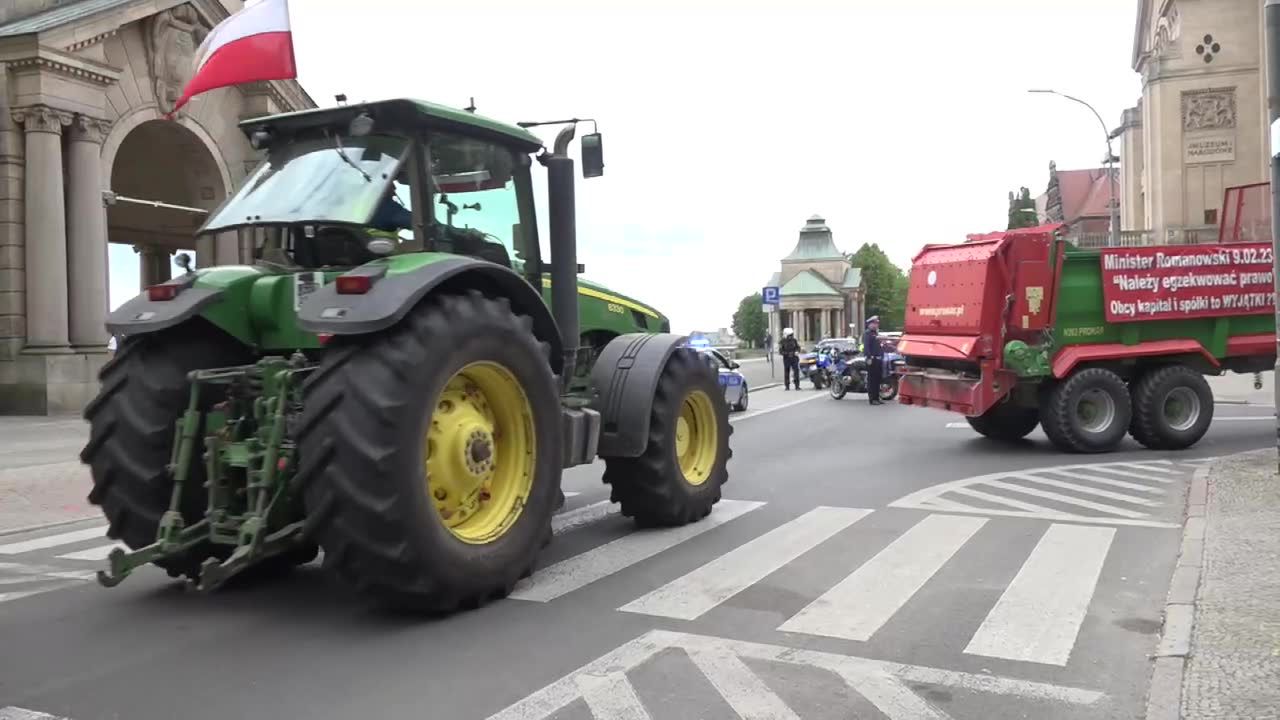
[(611, 697), (1159, 466), (1060, 517), (868, 597), (741, 689), (694, 594), (864, 676), (1131, 474), (765, 411), (568, 494), (94, 553), (959, 425), (581, 570), (94, 533), (1083, 489), (585, 515), (17, 713), (1038, 617), (1136, 487), (999, 499), (1243, 418), (1064, 499)]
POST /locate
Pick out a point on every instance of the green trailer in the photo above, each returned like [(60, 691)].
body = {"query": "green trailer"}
[(400, 376), (1022, 328)]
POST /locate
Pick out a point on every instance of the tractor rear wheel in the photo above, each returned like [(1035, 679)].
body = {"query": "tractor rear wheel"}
[(1006, 422), (1172, 408), (677, 479), (431, 454), (1089, 412), (144, 393)]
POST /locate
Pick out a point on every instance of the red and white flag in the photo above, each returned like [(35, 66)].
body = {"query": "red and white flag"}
[(253, 45)]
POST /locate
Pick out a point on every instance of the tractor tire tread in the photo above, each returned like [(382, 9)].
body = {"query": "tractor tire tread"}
[(1055, 411), (1147, 427)]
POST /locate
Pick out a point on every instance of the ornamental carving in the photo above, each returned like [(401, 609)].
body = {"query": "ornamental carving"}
[(173, 36), (41, 118), (88, 129), (1166, 31), (1209, 109)]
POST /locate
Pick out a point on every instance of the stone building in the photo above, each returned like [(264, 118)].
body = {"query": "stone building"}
[(84, 85), (821, 293), (1079, 199), (1201, 124)]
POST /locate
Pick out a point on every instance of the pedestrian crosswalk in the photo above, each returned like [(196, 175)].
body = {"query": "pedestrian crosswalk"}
[(1137, 493), (1050, 584)]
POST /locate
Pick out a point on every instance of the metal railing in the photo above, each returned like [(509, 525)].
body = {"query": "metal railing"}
[(1189, 235)]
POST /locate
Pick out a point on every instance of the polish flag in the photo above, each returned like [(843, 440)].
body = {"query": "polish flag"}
[(253, 45)]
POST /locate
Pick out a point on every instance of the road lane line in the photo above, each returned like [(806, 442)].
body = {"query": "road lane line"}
[(569, 494), (756, 413), (1000, 499), (1161, 466), (94, 533), (868, 597), (1076, 487), (585, 515), (892, 697), (611, 697), (17, 713), (690, 596), (1065, 499), (94, 553), (581, 570), (741, 689), (1130, 474), (1137, 487), (1038, 617)]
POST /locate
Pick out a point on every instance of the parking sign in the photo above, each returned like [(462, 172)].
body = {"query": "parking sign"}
[(771, 296)]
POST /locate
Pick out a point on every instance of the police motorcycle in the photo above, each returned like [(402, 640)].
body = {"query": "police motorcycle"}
[(850, 375)]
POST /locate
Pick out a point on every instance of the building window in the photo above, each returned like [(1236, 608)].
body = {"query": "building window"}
[(1211, 217)]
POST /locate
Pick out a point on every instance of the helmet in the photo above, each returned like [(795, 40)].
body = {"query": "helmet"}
[(788, 332)]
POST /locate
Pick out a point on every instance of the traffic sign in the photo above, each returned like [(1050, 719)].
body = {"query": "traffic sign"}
[(771, 296)]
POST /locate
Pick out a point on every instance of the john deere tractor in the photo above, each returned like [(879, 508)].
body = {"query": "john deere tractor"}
[(399, 377)]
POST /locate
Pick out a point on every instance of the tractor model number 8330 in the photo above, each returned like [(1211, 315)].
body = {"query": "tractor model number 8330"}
[(399, 377)]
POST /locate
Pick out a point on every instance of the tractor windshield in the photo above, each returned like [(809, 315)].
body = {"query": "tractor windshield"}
[(317, 180)]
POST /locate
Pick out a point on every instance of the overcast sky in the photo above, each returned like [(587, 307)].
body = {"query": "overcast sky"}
[(727, 124)]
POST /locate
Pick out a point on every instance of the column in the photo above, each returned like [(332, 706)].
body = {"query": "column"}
[(86, 235), (46, 227), (154, 265)]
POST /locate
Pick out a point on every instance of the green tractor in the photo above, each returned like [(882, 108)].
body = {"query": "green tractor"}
[(399, 378)]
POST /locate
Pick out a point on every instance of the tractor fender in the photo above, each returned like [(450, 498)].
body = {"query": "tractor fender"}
[(143, 315), (625, 378), (392, 296)]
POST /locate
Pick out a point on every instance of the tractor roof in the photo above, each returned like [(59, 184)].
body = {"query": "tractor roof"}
[(403, 114)]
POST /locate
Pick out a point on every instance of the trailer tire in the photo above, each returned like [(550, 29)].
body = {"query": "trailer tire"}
[(1006, 422), (1153, 425), (1089, 412), (132, 424)]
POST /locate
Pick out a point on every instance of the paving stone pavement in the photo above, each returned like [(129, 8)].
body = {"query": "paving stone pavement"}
[(1233, 672)]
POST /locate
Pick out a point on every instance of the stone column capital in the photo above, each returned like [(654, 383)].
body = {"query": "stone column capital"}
[(41, 118), (88, 129)]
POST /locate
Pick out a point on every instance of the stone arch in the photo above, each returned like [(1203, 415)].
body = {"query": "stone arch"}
[(150, 158)]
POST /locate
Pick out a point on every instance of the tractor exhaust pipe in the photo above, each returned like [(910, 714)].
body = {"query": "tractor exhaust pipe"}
[(564, 248)]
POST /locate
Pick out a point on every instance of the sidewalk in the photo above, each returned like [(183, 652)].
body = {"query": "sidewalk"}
[(1222, 639), (42, 481)]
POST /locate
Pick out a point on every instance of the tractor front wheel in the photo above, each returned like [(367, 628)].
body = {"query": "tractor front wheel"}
[(431, 454), (677, 479)]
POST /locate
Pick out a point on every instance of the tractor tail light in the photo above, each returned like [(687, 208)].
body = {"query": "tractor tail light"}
[(160, 293), (354, 284), (324, 338)]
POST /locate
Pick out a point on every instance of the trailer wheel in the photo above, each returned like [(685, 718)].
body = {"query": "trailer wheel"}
[(1006, 422), (1089, 412), (1172, 408)]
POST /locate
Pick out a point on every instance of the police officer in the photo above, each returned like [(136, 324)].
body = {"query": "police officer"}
[(874, 352), (789, 348)]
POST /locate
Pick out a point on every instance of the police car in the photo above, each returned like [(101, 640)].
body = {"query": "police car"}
[(733, 382)]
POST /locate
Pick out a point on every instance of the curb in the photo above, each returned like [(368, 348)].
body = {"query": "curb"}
[(46, 526), (1164, 700)]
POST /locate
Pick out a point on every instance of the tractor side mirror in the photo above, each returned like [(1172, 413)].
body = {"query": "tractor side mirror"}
[(734, 364), (592, 155)]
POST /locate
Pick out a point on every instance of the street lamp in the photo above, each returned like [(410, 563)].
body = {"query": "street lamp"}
[(1113, 239)]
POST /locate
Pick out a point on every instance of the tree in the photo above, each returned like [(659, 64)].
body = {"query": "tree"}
[(885, 283), (1022, 210), (749, 323)]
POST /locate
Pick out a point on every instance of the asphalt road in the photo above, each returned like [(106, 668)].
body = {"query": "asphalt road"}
[(866, 562)]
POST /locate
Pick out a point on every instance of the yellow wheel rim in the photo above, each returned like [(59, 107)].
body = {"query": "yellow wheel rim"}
[(697, 437), (480, 451)]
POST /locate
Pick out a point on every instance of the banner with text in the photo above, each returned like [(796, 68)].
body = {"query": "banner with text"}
[(1188, 281)]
